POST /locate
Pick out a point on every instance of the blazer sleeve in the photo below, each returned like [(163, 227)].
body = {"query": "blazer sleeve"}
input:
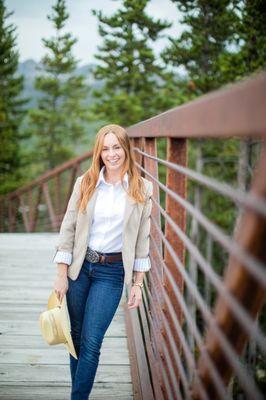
[(142, 248), (65, 241)]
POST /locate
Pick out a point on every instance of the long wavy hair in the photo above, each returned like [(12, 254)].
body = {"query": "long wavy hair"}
[(136, 187)]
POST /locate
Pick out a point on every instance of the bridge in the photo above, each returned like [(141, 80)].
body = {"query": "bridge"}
[(199, 332)]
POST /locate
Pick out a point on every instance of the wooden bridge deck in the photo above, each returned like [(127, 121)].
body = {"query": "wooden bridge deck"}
[(30, 368)]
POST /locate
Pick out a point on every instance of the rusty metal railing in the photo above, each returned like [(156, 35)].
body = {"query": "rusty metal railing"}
[(188, 345), (40, 205), (199, 332)]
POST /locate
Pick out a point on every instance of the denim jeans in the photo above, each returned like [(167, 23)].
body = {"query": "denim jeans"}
[(92, 301)]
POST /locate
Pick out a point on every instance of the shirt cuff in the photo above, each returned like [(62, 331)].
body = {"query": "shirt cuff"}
[(63, 257), (142, 264)]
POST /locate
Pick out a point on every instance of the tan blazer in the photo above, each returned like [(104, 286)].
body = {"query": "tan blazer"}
[(75, 229)]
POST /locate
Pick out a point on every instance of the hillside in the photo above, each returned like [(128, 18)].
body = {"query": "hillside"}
[(30, 68)]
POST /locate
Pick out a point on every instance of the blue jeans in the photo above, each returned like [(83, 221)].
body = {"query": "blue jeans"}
[(92, 301)]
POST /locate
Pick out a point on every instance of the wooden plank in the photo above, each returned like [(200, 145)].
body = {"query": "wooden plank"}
[(13, 373), (31, 315), (100, 391), (37, 342), (145, 391), (25, 278), (58, 355), (16, 285), (27, 307), (117, 328)]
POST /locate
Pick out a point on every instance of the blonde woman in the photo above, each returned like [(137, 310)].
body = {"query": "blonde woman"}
[(103, 242)]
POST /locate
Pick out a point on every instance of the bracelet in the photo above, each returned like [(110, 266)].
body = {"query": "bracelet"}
[(138, 284)]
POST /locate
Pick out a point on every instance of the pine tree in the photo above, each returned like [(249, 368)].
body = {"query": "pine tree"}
[(249, 55), (11, 105), (210, 29), (252, 32), (60, 117), (133, 78)]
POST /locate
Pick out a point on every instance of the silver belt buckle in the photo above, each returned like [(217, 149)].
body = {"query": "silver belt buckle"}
[(92, 255)]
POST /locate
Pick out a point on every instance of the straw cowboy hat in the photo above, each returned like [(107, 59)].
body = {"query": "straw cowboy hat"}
[(54, 324)]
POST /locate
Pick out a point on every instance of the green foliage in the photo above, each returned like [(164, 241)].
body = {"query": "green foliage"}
[(249, 55), (209, 30), (254, 48), (11, 106), (133, 80), (60, 118)]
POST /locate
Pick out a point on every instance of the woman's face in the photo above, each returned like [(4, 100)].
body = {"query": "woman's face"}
[(113, 154)]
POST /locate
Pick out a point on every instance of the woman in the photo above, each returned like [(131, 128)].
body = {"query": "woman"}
[(103, 241)]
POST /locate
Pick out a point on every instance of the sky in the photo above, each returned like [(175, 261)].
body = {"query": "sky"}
[(30, 18)]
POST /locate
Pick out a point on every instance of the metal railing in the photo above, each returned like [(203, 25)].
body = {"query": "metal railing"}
[(41, 205), (201, 321)]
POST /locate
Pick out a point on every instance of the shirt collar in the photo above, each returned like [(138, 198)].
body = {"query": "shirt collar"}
[(101, 178)]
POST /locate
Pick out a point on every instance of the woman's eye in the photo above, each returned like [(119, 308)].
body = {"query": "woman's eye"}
[(116, 148)]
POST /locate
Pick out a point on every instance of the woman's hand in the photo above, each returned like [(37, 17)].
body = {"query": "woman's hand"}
[(135, 297), (61, 286)]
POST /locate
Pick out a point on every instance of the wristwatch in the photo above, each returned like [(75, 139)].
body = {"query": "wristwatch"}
[(140, 284)]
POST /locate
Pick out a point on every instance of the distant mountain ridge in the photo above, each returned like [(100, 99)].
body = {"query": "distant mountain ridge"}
[(29, 69)]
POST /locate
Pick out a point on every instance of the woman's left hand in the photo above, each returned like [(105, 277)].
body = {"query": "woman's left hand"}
[(135, 297)]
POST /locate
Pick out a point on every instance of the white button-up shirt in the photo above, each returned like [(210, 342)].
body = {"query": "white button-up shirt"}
[(107, 223)]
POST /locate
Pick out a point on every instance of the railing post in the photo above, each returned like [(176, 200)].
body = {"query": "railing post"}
[(49, 205), (12, 214), (35, 211), (176, 153), (151, 166), (24, 213), (71, 182), (30, 210)]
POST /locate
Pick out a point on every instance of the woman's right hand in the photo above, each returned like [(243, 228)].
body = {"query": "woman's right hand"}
[(61, 286)]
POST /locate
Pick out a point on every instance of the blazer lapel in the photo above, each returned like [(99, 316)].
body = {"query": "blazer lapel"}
[(129, 207)]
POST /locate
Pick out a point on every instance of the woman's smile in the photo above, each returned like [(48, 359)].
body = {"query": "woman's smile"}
[(113, 161)]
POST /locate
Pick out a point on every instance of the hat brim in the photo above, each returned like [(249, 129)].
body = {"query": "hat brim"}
[(65, 324)]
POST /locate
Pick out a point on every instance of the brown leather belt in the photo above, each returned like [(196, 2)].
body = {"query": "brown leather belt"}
[(104, 258), (97, 257)]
